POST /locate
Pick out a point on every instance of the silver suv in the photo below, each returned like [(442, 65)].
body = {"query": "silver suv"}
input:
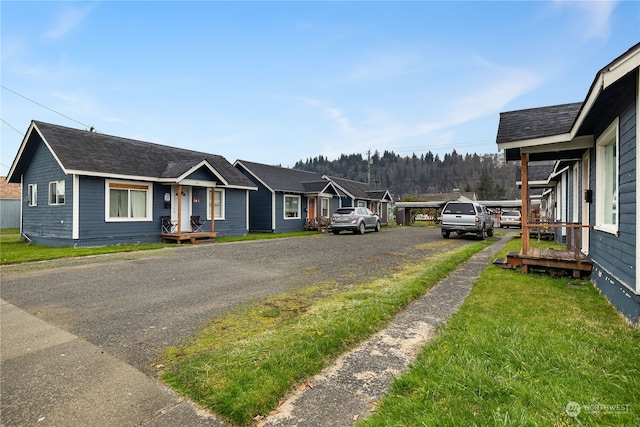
[(356, 219), (466, 217)]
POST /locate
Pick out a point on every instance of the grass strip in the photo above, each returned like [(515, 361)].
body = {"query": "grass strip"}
[(14, 250), (246, 361), (521, 348)]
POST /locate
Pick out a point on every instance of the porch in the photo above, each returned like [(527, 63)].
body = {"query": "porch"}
[(570, 258), (194, 237)]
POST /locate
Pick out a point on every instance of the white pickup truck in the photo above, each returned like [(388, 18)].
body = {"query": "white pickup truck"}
[(466, 217)]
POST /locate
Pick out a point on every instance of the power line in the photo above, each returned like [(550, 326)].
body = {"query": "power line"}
[(6, 123), (43, 106)]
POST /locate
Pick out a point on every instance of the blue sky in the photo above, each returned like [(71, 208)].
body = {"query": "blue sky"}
[(277, 82)]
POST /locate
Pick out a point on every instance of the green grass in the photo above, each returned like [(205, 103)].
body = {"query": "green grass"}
[(245, 361), (521, 348), (14, 249)]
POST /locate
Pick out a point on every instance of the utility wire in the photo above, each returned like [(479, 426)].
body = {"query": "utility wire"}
[(6, 123), (43, 106)]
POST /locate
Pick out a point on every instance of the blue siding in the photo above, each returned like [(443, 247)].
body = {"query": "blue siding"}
[(44, 221), (286, 225), (260, 212), (235, 221), (95, 231), (614, 255), (203, 174)]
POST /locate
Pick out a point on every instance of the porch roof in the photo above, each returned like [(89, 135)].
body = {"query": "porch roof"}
[(561, 132)]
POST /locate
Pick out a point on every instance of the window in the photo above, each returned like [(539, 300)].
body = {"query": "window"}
[(32, 194), (607, 179), (128, 201), (362, 204), (56, 193), (324, 207), (218, 204), (291, 207)]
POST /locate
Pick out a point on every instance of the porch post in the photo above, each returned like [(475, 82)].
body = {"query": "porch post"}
[(179, 208), (213, 203), (525, 203)]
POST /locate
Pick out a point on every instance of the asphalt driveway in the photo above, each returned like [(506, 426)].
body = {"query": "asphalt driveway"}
[(134, 305)]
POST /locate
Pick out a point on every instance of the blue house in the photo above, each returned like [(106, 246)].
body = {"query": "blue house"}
[(82, 188), (354, 193), (595, 196), (287, 199)]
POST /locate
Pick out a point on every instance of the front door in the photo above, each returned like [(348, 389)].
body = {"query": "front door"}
[(311, 214), (185, 207)]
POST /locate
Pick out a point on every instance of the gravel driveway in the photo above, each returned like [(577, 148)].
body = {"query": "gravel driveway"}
[(133, 305)]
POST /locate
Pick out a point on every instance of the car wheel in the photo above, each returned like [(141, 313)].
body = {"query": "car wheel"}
[(490, 232), (335, 231), (446, 234), (481, 234), (361, 228), (377, 226)]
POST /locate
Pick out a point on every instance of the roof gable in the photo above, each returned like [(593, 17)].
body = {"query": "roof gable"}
[(356, 189)]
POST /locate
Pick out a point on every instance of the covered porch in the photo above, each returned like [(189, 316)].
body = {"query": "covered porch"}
[(544, 135), (183, 225)]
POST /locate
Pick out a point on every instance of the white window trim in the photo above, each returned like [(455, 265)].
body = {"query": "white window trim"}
[(612, 130), (324, 201), (58, 182), (222, 204), (284, 206), (149, 189), (32, 195)]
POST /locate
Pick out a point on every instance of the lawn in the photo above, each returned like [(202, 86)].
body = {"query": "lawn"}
[(523, 350), (244, 362), (14, 249)]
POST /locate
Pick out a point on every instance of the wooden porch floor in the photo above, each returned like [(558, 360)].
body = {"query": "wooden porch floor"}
[(194, 238), (550, 258)]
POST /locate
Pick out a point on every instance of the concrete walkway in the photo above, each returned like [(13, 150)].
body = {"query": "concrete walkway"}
[(350, 390), (50, 377)]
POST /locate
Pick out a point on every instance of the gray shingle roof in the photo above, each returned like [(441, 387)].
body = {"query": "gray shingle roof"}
[(359, 190), (95, 153), (537, 122), (284, 179)]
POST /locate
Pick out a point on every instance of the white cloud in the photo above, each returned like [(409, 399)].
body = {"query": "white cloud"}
[(593, 16), (68, 20)]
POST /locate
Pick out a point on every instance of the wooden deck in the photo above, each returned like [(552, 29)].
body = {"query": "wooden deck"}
[(194, 238), (562, 259)]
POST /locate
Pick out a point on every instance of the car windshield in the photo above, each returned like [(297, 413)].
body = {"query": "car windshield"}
[(510, 213)]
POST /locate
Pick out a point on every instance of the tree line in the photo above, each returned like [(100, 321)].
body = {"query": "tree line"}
[(488, 175)]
